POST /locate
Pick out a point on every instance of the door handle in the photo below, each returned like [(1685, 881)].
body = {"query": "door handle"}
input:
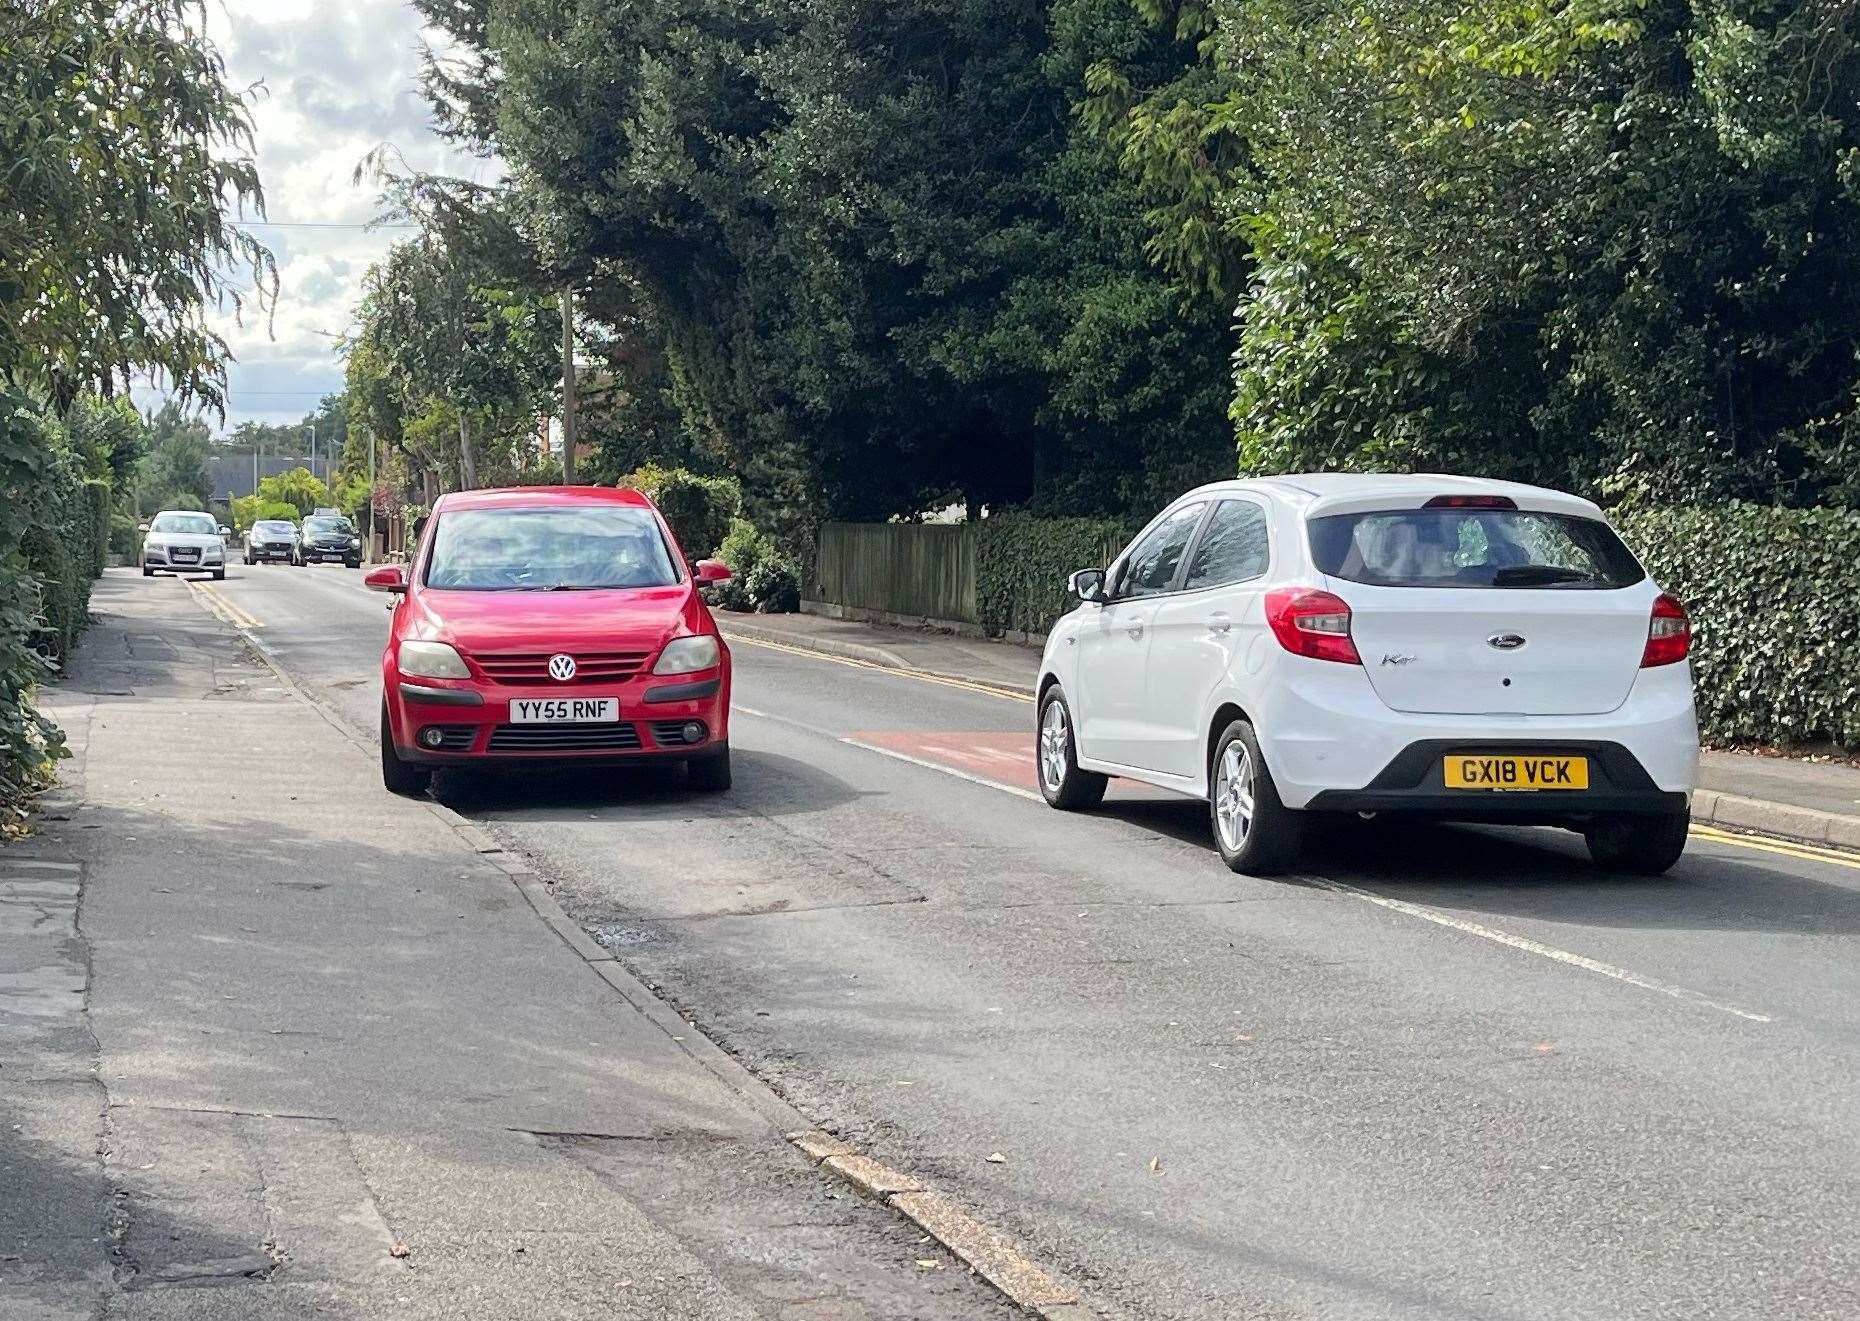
[(1135, 630), (1219, 623)]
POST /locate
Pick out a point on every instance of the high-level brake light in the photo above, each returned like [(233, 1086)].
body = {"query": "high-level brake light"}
[(1471, 502)]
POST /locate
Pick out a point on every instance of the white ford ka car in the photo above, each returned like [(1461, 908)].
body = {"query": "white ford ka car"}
[(1438, 646)]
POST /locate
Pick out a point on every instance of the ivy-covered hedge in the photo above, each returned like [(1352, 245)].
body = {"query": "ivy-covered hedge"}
[(1021, 565), (1775, 602)]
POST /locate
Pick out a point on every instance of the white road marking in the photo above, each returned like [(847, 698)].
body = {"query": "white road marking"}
[(1521, 943), (1529, 946)]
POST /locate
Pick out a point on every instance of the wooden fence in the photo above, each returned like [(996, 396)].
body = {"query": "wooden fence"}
[(917, 570)]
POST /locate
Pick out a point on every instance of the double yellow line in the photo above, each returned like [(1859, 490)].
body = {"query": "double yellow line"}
[(1787, 848), (220, 606)]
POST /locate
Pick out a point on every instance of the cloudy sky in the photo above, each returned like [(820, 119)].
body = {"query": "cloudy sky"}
[(333, 79)]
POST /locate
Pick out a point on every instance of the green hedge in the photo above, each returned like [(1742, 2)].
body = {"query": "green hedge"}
[(1775, 602), (125, 540), (1022, 562), (39, 496), (97, 503), (60, 547)]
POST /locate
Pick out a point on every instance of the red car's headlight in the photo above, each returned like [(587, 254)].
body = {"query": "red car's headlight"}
[(688, 655)]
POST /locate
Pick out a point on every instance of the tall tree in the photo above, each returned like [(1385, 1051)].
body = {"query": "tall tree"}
[(123, 148), (434, 341), (1614, 245)]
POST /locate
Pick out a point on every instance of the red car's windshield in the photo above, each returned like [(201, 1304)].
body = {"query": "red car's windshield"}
[(554, 549)]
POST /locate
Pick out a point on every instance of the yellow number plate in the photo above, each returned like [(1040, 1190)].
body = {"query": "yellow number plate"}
[(1516, 774)]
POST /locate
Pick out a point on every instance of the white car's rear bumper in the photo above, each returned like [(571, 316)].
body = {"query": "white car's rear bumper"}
[(1326, 733)]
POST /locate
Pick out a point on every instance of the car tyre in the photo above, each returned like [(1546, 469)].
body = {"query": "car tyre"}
[(1255, 832), (1056, 764), (711, 774), (219, 575), (1638, 845), (398, 776), (147, 572)]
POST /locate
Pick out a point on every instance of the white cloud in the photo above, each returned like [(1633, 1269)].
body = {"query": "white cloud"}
[(332, 80)]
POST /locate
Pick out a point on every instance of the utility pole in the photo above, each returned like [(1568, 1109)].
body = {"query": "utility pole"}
[(568, 385), (371, 497)]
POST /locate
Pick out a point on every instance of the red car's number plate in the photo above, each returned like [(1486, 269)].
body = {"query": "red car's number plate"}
[(564, 710)]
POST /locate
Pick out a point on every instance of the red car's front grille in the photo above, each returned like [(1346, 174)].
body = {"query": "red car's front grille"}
[(532, 667)]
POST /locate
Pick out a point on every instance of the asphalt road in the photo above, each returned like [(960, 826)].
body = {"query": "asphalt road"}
[(1444, 1072)]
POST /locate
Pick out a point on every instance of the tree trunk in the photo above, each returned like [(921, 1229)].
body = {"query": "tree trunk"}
[(468, 463)]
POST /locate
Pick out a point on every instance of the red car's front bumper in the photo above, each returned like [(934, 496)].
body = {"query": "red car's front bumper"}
[(440, 722)]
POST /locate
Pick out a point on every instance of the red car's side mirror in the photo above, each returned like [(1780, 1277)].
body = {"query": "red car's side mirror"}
[(391, 579), (713, 571)]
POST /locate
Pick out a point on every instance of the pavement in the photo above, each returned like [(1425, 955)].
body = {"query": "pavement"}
[(1816, 802), (1440, 1072), (274, 1044)]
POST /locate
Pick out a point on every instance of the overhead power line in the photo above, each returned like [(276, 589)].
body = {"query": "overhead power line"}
[(315, 224)]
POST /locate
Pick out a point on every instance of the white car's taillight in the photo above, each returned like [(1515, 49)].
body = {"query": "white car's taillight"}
[(1669, 634), (1310, 622)]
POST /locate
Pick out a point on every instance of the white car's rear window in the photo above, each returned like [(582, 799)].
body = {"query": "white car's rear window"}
[(1518, 548)]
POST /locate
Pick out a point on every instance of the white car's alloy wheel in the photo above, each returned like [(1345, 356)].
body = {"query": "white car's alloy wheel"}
[(1054, 735), (1062, 783), (1233, 796)]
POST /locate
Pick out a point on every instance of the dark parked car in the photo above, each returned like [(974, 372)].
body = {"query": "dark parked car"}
[(329, 537), (271, 539)]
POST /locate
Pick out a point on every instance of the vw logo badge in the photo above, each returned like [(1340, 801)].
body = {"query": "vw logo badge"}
[(562, 668), (1505, 641)]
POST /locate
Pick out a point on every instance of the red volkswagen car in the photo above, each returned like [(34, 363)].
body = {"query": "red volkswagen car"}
[(551, 623)]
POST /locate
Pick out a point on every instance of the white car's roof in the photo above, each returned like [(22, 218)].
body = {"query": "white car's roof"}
[(1319, 493)]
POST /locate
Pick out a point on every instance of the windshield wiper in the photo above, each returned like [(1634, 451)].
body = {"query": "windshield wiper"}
[(1541, 575)]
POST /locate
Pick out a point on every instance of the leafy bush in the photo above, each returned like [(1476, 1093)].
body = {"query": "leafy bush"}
[(775, 584), (700, 509), (1022, 562), (764, 577), (1775, 602)]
